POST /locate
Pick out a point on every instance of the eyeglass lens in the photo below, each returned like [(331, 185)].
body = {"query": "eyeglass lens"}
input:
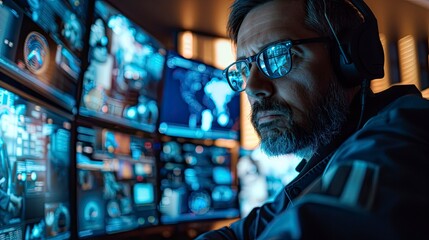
[(274, 62)]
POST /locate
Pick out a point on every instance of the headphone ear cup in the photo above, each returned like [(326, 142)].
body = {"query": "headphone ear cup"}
[(364, 56)]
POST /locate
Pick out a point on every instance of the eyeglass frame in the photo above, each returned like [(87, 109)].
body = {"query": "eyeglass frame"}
[(288, 42)]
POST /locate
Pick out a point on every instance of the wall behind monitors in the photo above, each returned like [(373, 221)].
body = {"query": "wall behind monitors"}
[(197, 183), (42, 42), (34, 170), (116, 181), (125, 67), (197, 101)]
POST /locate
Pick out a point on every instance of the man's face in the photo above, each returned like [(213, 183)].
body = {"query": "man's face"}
[(304, 109)]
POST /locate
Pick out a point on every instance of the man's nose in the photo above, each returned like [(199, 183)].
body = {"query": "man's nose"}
[(259, 85)]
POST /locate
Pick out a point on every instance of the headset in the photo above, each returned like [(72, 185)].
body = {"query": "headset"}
[(360, 53)]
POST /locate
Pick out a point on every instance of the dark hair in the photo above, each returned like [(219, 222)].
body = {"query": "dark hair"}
[(341, 13)]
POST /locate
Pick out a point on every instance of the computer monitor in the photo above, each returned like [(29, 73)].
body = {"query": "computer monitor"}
[(197, 101), (197, 183), (262, 177), (125, 67), (42, 46), (35, 170), (116, 181)]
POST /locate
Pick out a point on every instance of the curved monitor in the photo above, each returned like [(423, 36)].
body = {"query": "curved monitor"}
[(126, 64), (197, 101), (116, 181), (35, 169), (262, 177), (42, 44), (197, 183)]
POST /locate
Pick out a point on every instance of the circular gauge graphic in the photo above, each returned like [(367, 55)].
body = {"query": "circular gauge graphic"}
[(62, 219), (91, 212), (199, 202), (113, 209), (36, 53)]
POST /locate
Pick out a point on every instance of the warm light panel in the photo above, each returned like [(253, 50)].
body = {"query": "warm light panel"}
[(186, 44), (215, 51), (224, 54), (408, 61), (378, 85), (425, 93)]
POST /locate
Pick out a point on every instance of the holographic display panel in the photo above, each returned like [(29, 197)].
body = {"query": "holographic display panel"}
[(122, 79), (45, 40), (197, 101), (262, 177), (64, 20), (116, 187), (196, 183), (34, 171)]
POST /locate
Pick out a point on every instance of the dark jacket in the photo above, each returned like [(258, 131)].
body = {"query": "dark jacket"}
[(371, 183)]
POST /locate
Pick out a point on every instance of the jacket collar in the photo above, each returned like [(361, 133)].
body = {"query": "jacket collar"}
[(375, 103)]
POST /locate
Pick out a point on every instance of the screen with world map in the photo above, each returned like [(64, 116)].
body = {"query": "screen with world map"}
[(197, 101)]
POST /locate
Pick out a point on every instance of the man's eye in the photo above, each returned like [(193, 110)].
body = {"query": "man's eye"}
[(295, 56)]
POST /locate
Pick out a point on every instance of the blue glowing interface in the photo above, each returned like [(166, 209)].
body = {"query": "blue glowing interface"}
[(262, 177), (44, 39), (116, 188), (196, 183), (197, 101), (126, 65), (34, 171)]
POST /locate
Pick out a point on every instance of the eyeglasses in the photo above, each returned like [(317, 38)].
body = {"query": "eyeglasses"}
[(274, 61)]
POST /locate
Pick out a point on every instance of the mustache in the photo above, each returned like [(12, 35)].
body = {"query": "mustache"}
[(269, 105)]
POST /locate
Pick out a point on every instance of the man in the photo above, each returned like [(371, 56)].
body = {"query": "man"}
[(363, 174)]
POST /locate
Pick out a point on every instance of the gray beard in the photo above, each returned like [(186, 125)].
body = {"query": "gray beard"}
[(324, 120)]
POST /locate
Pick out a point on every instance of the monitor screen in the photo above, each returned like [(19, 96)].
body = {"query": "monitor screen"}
[(197, 183), (43, 43), (125, 67), (34, 170), (116, 189), (197, 101), (262, 177)]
